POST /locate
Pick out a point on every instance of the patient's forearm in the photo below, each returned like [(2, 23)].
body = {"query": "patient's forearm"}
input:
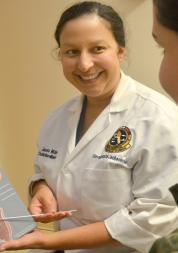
[(88, 236)]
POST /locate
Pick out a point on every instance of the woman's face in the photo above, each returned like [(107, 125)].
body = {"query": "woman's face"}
[(168, 40), (90, 56)]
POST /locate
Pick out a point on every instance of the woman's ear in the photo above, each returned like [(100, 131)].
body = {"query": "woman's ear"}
[(122, 53)]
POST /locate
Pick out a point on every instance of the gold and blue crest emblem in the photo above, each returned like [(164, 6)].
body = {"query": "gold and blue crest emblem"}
[(120, 141)]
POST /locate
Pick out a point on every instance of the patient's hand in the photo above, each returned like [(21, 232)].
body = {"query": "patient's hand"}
[(32, 240)]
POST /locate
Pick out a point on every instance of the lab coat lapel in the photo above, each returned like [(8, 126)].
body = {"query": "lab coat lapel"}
[(75, 111), (97, 127)]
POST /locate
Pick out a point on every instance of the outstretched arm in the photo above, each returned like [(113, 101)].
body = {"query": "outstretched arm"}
[(88, 236)]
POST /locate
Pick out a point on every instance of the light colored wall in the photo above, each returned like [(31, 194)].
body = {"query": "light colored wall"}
[(31, 80)]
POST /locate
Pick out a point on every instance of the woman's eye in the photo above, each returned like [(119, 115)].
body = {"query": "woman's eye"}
[(99, 50), (72, 52)]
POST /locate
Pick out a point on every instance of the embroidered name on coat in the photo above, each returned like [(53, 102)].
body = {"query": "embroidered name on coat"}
[(47, 152)]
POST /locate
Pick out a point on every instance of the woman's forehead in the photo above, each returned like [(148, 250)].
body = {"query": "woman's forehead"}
[(88, 21)]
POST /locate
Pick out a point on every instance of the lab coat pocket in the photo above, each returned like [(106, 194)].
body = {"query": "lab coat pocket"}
[(104, 192)]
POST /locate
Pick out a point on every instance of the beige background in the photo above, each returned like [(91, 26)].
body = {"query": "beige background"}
[(31, 79)]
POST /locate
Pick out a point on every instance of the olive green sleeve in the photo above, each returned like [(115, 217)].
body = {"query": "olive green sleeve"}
[(168, 244)]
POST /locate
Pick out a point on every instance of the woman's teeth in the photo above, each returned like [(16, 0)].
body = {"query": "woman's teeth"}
[(88, 78)]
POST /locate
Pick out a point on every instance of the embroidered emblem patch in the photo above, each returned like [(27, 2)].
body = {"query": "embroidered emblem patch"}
[(120, 141)]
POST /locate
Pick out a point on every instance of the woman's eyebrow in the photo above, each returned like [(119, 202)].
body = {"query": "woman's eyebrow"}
[(67, 44), (70, 44)]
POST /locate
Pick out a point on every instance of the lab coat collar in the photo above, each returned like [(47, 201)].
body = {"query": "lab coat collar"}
[(123, 95), (119, 102)]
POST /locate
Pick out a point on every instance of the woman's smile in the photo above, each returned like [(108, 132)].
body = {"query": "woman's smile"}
[(91, 78)]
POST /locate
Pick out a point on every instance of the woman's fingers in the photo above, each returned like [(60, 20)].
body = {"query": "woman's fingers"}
[(53, 216)]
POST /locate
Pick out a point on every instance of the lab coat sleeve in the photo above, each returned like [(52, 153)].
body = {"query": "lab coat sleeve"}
[(153, 212), (36, 177), (38, 173)]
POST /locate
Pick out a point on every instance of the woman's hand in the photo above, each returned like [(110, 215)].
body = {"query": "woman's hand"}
[(44, 205)]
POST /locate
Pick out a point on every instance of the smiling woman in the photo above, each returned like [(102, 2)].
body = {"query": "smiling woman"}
[(109, 163)]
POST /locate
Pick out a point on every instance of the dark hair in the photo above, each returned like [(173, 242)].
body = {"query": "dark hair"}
[(167, 13), (89, 7)]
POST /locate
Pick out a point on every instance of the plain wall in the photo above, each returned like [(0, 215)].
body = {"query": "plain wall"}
[(31, 80)]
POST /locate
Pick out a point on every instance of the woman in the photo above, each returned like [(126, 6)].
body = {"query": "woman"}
[(109, 154), (165, 32)]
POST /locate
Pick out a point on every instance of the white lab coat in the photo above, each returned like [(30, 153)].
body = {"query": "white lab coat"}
[(127, 188)]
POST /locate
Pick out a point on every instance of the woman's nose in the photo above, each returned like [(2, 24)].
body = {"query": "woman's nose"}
[(85, 62)]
